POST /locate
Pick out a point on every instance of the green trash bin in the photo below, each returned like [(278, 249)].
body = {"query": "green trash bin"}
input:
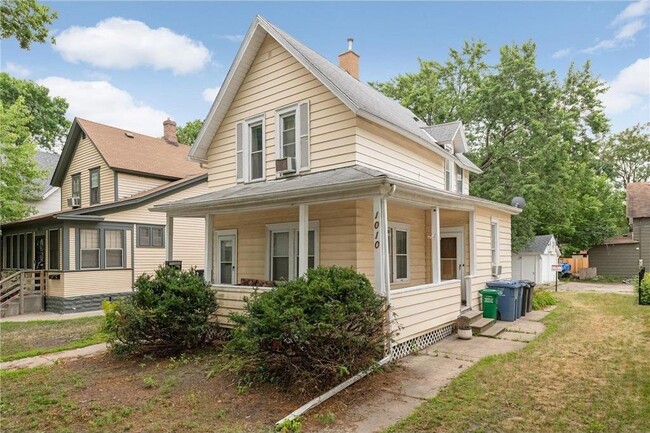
[(490, 300)]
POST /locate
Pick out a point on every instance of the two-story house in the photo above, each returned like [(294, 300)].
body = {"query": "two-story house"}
[(105, 236), (308, 165)]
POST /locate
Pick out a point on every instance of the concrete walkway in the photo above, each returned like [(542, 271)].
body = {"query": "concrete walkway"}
[(54, 358), (47, 315), (433, 368)]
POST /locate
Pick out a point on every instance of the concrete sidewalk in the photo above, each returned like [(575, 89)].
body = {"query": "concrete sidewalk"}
[(47, 315), (53, 358), (433, 368)]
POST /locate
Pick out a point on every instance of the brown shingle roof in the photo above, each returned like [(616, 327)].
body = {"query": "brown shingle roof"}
[(621, 239), (638, 200), (139, 153)]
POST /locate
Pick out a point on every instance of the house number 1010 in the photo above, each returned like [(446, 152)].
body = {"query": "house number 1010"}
[(377, 230)]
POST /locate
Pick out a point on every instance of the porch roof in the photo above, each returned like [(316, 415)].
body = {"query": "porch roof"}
[(331, 185)]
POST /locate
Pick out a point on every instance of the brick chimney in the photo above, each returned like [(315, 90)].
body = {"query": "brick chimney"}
[(349, 60), (169, 128)]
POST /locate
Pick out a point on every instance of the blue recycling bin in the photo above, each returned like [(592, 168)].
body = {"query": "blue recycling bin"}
[(510, 298)]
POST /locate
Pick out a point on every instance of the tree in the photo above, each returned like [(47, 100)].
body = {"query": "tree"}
[(532, 134), (27, 21), (187, 133), (19, 172), (47, 124), (625, 156)]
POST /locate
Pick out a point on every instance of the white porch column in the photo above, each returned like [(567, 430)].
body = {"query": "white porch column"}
[(435, 244), (169, 228), (380, 230), (303, 239), (472, 243), (207, 267)]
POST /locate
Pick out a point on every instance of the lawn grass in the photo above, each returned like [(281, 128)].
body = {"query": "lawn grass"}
[(24, 339), (588, 372)]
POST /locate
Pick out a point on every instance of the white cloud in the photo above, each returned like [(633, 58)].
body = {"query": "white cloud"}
[(124, 44), (233, 38), (17, 70), (627, 24), (210, 93), (102, 102), (630, 89), (560, 54)]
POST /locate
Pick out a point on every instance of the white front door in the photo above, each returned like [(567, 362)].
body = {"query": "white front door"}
[(452, 258), (225, 257)]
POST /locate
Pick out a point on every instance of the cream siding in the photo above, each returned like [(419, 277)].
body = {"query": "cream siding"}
[(85, 158), (231, 300), (51, 203), (276, 80), (84, 283), (129, 184)]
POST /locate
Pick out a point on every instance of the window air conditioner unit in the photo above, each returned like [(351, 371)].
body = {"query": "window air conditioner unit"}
[(496, 271), (285, 165), (74, 202)]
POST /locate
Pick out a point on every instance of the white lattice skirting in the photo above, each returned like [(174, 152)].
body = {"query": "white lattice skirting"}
[(414, 344)]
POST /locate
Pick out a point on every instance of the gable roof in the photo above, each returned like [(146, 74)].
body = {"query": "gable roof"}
[(47, 162), (537, 245), (132, 153), (358, 96), (638, 200), (452, 133)]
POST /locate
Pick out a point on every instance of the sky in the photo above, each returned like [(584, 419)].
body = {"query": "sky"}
[(133, 64)]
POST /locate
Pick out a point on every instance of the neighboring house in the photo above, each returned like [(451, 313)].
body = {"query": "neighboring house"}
[(534, 261), (621, 256), (105, 236), (308, 165), (49, 196)]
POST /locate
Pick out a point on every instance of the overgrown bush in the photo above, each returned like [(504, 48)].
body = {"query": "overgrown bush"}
[(542, 299), (645, 290), (312, 332), (169, 311)]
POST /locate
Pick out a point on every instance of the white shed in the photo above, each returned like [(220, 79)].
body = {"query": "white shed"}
[(534, 261)]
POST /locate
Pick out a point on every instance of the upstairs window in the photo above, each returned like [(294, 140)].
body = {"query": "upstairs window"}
[(76, 185), (250, 144), (460, 181), (288, 135), (94, 186), (448, 174), (256, 146)]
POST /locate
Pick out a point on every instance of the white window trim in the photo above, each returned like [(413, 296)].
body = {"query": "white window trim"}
[(217, 255), (448, 167), (246, 148), (403, 228), (292, 228), (462, 179), (123, 249), (494, 222), (293, 108), (99, 250)]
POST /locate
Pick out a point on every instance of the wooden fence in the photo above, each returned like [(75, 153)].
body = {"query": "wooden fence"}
[(576, 262)]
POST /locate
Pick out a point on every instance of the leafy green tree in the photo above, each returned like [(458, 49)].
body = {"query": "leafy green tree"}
[(27, 21), (19, 172), (47, 124), (532, 134), (626, 156), (187, 133)]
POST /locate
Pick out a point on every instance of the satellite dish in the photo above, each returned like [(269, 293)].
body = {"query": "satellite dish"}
[(518, 202)]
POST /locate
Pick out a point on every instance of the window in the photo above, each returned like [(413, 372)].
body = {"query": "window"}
[(89, 248), (94, 186), (76, 185), (459, 180), (53, 249), (113, 248), (256, 146), (151, 236), (448, 175), (288, 135), (398, 239), (494, 242), (284, 250), (21, 256), (14, 252), (29, 251)]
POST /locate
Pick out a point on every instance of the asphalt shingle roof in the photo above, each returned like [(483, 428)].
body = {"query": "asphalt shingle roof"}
[(638, 200), (47, 161), (443, 132), (537, 245)]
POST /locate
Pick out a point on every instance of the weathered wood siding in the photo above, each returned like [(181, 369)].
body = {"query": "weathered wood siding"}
[(85, 158), (275, 80), (129, 184)]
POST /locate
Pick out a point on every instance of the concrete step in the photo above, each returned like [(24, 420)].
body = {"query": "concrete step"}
[(472, 315), (493, 331), (480, 325)]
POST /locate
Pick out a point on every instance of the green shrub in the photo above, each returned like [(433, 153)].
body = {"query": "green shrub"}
[(543, 299), (169, 311), (310, 333), (645, 290)]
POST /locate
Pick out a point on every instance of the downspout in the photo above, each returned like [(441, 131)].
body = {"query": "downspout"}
[(341, 386)]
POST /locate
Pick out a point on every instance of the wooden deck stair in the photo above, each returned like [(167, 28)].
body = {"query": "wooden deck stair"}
[(483, 326)]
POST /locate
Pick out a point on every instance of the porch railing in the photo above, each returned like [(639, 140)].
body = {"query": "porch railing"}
[(20, 284)]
